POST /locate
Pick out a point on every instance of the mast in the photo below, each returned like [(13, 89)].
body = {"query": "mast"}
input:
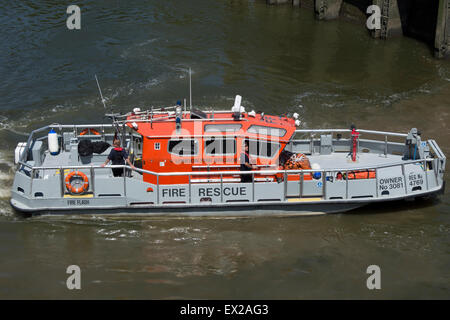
[(190, 90), (101, 95), (112, 112)]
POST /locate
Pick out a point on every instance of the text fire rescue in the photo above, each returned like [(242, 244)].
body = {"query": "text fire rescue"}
[(206, 192)]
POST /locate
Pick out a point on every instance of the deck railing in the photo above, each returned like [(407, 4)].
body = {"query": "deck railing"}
[(285, 173), (312, 133)]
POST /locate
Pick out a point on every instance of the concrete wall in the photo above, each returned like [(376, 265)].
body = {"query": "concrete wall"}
[(426, 20), (296, 3), (307, 4), (355, 10), (327, 9), (278, 1)]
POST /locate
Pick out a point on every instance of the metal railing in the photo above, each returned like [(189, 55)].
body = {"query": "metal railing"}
[(325, 173), (312, 132), (60, 127), (382, 133)]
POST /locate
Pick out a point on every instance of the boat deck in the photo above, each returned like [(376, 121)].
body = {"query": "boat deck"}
[(343, 160)]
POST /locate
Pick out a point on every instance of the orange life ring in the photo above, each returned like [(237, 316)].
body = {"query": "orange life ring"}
[(77, 190), (86, 131)]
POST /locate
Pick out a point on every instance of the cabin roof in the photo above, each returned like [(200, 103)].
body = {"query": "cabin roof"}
[(213, 123)]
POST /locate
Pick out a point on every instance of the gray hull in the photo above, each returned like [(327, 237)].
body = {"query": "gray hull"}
[(209, 211), (220, 210)]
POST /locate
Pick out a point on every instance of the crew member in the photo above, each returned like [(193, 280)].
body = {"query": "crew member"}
[(118, 156), (245, 165)]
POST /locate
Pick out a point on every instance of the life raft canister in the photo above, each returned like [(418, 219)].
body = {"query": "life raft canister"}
[(86, 131), (77, 190), (361, 174)]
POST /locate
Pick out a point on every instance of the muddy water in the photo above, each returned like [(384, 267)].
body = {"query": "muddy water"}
[(280, 60)]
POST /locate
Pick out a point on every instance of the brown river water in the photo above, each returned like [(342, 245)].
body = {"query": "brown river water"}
[(280, 59)]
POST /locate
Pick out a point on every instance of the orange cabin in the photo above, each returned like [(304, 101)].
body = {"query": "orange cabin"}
[(199, 141)]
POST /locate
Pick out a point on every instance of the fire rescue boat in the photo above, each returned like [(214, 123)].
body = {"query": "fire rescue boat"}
[(188, 162)]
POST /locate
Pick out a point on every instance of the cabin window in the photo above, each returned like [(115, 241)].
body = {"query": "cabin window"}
[(185, 147), (157, 146), (263, 149), (267, 131), (222, 127), (220, 146)]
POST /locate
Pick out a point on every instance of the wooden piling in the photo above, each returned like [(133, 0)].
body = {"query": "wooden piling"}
[(442, 36)]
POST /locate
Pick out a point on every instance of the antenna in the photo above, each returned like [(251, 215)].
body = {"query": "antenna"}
[(190, 89), (116, 126), (100, 90)]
